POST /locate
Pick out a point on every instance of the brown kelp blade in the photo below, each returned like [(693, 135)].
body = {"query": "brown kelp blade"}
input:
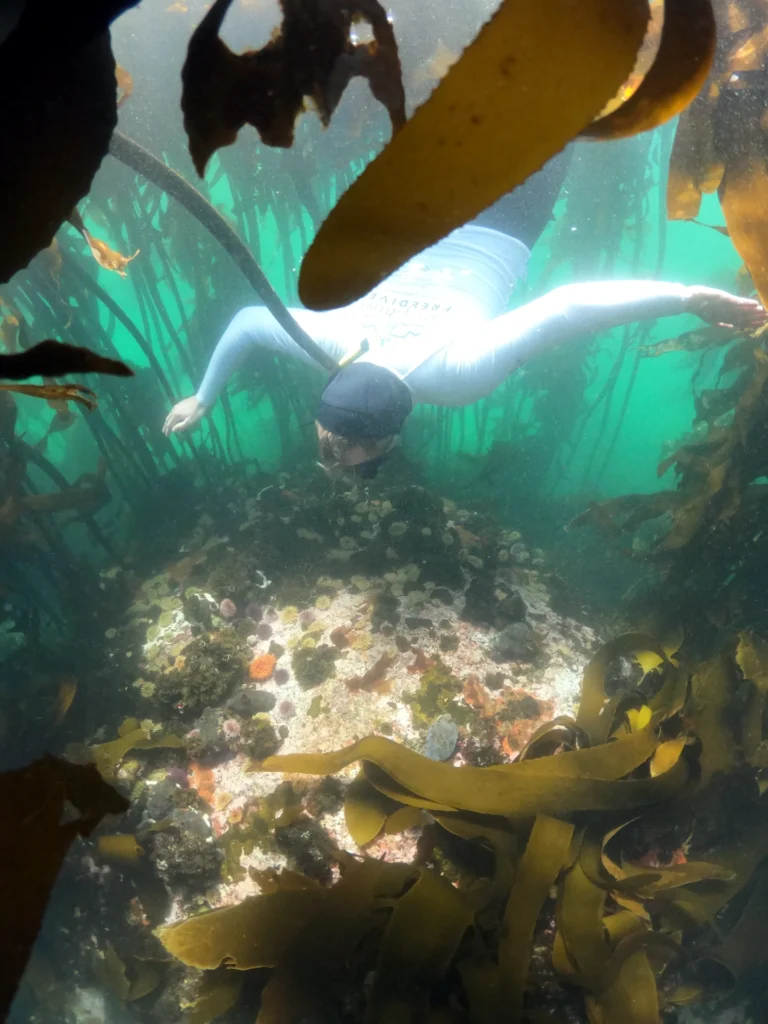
[(311, 58), (55, 393), (57, 358), (534, 77), (38, 835), (682, 64)]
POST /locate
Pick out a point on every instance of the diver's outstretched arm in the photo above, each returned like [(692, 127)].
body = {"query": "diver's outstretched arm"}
[(255, 328), (471, 367)]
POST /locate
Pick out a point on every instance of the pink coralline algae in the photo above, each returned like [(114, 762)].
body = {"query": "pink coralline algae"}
[(227, 609)]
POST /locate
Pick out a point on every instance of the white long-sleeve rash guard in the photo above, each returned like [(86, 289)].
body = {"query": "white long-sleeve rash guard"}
[(438, 322)]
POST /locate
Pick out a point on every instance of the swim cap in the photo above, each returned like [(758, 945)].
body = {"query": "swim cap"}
[(364, 402)]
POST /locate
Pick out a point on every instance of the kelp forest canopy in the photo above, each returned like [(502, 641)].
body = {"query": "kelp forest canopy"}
[(165, 166)]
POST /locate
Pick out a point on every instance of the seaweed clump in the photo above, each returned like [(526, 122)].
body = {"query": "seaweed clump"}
[(436, 695), (313, 666), (258, 737), (212, 665), (184, 854)]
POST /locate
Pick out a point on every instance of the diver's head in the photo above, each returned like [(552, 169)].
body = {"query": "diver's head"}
[(361, 411)]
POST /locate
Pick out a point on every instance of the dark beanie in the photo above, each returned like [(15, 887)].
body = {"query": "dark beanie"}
[(364, 402)]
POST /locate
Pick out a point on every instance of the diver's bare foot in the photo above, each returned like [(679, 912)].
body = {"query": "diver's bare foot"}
[(725, 310)]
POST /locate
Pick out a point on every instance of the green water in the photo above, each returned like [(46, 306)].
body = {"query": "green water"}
[(587, 421)]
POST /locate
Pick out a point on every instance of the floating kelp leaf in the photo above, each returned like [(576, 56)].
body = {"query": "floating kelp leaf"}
[(593, 694), (113, 973), (57, 80), (56, 392), (710, 695), (623, 514), (752, 659), (120, 848), (681, 67), (537, 872), (67, 691), (666, 755), (583, 951), (255, 933), (403, 819), (698, 340), (124, 81), (366, 810), (218, 993), (421, 939), (478, 136), (522, 788), (671, 644), (744, 948), (315, 962), (38, 835), (627, 989), (101, 252), (312, 58), (108, 756), (57, 358)]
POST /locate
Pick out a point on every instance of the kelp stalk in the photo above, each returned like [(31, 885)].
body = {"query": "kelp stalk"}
[(144, 163)]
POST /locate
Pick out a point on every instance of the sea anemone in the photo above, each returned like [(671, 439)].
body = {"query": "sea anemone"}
[(227, 609), (231, 728), (281, 676), (263, 631), (287, 709), (306, 618), (289, 614), (254, 611), (262, 667), (323, 602)]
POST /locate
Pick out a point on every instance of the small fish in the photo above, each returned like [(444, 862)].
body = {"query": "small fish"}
[(67, 691)]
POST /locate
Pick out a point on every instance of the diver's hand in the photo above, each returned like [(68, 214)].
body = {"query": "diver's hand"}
[(725, 310), (185, 415)]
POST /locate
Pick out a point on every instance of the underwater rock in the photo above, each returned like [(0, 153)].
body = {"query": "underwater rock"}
[(519, 707), (184, 855), (419, 622), (449, 642), (442, 737), (513, 607), (494, 680), (212, 665), (248, 702), (518, 642), (327, 797), (253, 611), (308, 848), (442, 594), (313, 665), (209, 738), (164, 798), (386, 609), (480, 606), (198, 608), (259, 738)]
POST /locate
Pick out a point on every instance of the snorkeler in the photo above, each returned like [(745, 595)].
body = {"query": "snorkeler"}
[(437, 331)]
